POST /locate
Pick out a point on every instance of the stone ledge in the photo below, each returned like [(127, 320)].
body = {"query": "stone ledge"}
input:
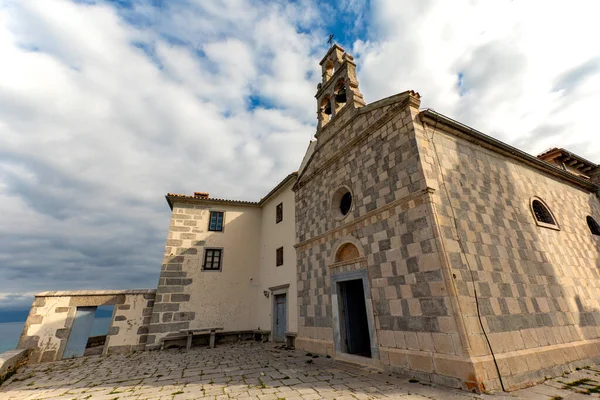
[(10, 361), (68, 293), (519, 369), (447, 369), (523, 368), (315, 345)]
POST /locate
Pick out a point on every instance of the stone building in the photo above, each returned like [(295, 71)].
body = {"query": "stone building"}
[(427, 247), (406, 241), (228, 264)]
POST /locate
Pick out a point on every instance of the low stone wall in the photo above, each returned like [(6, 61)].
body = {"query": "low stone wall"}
[(51, 317), (10, 361)]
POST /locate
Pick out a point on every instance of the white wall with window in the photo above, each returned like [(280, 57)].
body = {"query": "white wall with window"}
[(225, 270), (278, 280), (239, 259)]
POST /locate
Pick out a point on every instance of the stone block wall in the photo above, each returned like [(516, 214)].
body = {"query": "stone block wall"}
[(51, 317), (375, 154), (533, 292), (190, 298), (129, 328)]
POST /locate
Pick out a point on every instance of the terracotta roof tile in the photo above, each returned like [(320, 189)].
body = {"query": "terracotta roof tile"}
[(203, 196)]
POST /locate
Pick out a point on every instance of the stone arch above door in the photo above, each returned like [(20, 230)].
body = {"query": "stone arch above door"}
[(346, 248)]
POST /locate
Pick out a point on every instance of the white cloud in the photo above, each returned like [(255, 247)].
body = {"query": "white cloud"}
[(99, 118), (512, 57), (103, 109)]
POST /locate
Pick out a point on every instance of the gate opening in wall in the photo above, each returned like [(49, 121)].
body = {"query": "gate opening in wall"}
[(88, 332), (354, 327)]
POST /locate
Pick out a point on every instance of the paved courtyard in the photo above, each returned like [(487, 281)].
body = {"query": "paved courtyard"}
[(247, 371)]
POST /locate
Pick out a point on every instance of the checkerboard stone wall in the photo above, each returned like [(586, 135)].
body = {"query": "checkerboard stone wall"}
[(376, 155), (537, 289)]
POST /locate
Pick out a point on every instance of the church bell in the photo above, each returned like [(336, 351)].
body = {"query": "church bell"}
[(340, 96), (328, 109)]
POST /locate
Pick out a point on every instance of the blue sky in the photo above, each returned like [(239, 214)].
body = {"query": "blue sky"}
[(105, 106)]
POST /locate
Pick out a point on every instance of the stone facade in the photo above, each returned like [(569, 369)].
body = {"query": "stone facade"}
[(232, 298), (410, 242), (188, 297), (51, 317), (527, 294), (463, 287)]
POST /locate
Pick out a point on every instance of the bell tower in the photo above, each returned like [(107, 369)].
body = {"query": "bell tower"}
[(339, 86)]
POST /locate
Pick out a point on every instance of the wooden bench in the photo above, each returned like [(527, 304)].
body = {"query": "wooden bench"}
[(215, 333), (189, 334)]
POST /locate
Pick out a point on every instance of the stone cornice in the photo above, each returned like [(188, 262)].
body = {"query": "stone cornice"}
[(331, 49), (359, 260), (406, 199), (72, 293)]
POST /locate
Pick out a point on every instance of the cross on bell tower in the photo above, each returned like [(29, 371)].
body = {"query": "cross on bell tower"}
[(338, 90)]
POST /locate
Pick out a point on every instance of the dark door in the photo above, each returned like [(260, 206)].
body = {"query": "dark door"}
[(355, 332), (280, 317)]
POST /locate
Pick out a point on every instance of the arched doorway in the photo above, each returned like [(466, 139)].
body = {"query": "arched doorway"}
[(353, 314)]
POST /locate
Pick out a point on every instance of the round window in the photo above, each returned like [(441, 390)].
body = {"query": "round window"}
[(341, 202), (346, 203)]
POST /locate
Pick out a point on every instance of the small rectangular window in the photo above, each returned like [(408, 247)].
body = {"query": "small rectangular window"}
[(279, 256), (212, 259), (216, 221), (279, 213)]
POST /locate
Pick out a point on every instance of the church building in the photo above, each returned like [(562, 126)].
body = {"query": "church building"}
[(406, 241)]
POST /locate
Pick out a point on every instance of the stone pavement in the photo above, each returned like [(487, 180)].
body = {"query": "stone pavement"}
[(247, 371)]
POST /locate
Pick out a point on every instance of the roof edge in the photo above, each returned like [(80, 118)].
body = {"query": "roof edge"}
[(567, 153), (511, 151), (280, 185), (171, 197)]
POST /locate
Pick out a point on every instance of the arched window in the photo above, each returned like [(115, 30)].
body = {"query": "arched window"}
[(339, 94), (594, 227), (347, 252), (329, 70), (325, 110), (543, 215)]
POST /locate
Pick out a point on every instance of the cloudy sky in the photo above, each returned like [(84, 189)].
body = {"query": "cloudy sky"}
[(105, 106)]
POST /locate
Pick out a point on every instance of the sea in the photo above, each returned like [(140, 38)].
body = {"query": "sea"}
[(11, 331)]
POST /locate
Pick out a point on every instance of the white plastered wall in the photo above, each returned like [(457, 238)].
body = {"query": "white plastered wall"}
[(272, 236), (223, 298)]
